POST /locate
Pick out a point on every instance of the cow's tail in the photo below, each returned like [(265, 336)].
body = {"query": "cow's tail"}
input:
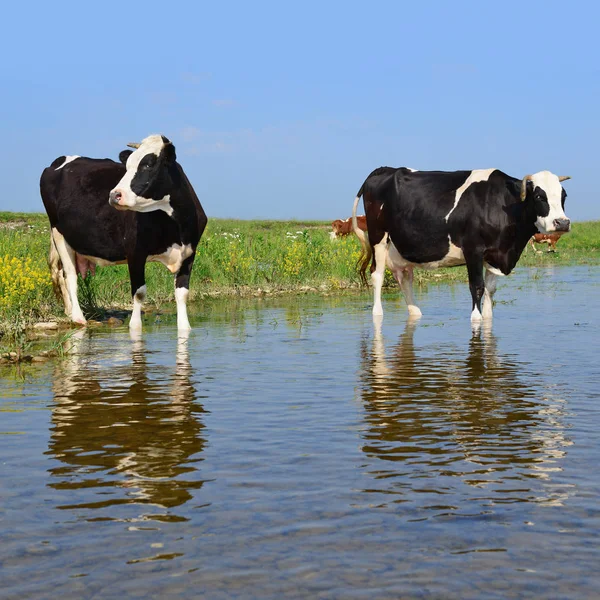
[(366, 253), (55, 265)]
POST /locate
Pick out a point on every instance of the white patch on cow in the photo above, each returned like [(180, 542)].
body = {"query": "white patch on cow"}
[(476, 316), (153, 144), (332, 235), (146, 205), (493, 270), (173, 256), (68, 159), (181, 295), (549, 182), (475, 177), (67, 257), (136, 316), (453, 258)]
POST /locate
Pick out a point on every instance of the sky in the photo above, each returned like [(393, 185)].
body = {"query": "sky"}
[(280, 110)]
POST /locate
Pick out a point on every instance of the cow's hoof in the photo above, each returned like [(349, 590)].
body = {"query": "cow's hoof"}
[(414, 311), (476, 316)]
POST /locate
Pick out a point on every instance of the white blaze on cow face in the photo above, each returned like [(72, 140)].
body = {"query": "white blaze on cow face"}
[(550, 185), (127, 198)]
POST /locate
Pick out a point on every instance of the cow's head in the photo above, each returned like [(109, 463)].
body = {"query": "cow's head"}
[(336, 226), (148, 182), (547, 196)]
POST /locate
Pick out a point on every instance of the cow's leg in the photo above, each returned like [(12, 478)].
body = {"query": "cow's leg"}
[(488, 295), (182, 288), (406, 283), (137, 277), (67, 257), (380, 251), (58, 277), (404, 276), (474, 262)]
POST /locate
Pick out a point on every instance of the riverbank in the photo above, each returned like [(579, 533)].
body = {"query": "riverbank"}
[(234, 258)]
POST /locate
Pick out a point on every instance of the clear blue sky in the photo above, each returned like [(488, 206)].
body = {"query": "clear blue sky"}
[(280, 110)]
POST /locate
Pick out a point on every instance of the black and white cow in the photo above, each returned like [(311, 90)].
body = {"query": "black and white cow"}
[(429, 219), (159, 218)]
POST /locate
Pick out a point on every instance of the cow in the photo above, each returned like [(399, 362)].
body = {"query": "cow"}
[(429, 219), (103, 212), (545, 238), (344, 228)]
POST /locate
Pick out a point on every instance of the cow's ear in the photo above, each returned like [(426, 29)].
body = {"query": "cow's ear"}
[(123, 156), (169, 152), (529, 188)]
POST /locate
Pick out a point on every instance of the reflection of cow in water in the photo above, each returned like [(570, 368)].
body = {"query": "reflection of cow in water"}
[(124, 426), (434, 416)]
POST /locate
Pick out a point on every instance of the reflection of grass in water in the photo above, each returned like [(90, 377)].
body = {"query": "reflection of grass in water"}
[(61, 346)]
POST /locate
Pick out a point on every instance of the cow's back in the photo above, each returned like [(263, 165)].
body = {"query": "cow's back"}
[(75, 195)]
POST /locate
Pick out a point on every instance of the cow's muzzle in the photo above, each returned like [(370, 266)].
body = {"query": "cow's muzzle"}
[(115, 199), (562, 224)]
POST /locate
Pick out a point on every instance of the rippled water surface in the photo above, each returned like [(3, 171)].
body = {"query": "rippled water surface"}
[(292, 448)]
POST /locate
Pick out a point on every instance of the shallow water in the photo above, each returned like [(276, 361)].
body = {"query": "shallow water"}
[(293, 448)]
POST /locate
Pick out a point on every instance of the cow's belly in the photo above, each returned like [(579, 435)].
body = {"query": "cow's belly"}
[(453, 258), (102, 262), (173, 256)]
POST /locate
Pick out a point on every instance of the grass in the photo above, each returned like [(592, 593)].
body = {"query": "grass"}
[(234, 257)]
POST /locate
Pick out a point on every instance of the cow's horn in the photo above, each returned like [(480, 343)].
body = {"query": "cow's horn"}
[(133, 145), (524, 186), (564, 177)]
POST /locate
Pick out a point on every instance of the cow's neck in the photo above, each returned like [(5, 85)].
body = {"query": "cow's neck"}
[(179, 216), (524, 228), (184, 211)]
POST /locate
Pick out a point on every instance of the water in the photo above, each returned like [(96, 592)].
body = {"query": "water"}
[(291, 448)]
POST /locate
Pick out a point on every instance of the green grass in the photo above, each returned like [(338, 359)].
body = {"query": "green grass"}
[(242, 258)]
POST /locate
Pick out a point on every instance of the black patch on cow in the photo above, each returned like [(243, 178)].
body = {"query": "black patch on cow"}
[(124, 155), (155, 175), (540, 200), (563, 198)]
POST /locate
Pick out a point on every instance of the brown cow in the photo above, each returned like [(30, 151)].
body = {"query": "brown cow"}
[(545, 238), (343, 228)]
